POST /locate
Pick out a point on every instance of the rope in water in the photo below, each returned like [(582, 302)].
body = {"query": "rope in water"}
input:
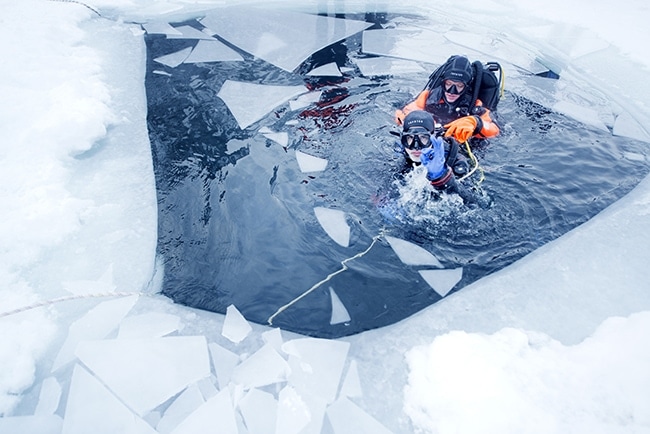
[(329, 277)]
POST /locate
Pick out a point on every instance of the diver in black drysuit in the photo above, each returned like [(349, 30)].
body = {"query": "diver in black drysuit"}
[(439, 156)]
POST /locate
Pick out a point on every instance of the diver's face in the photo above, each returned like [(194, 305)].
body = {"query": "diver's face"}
[(453, 90)]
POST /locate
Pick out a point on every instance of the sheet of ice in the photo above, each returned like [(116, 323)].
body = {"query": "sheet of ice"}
[(329, 70), (348, 418), (333, 222), (189, 32), (351, 386), (41, 424), (160, 28), (280, 37), (374, 66), (316, 366), (308, 163), (262, 368), (97, 323), (235, 327), (580, 113), (442, 281), (212, 51), (250, 102), (305, 100), (627, 126), (216, 414), (411, 44), (174, 59), (49, 398), (293, 414), (144, 373), (148, 325), (281, 138), (184, 405), (412, 254), (339, 313), (273, 337), (259, 410), (224, 362), (571, 40), (91, 408)]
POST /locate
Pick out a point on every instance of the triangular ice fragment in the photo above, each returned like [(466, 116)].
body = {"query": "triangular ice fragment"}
[(293, 413), (212, 51), (264, 367), (250, 102), (347, 417), (224, 362), (174, 59), (189, 32), (215, 415), (442, 281), (339, 312), (329, 70), (352, 384), (333, 222), (160, 28), (308, 163), (259, 410), (412, 254), (235, 327)]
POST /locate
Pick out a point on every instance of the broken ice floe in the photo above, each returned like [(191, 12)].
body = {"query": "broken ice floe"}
[(148, 325), (264, 367), (212, 51), (329, 70), (281, 138), (347, 417), (235, 326), (308, 163), (93, 408), (217, 412), (412, 254), (626, 126), (305, 100), (293, 413), (189, 32), (334, 224), (442, 281), (184, 405), (224, 362), (97, 323), (375, 66), (280, 37), (161, 28), (48, 400), (339, 312), (133, 368), (174, 59), (259, 410), (250, 102)]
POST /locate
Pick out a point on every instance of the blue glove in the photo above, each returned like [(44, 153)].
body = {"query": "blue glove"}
[(433, 159)]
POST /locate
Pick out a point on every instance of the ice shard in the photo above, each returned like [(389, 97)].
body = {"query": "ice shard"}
[(308, 163), (334, 224), (215, 415), (264, 367), (250, 102), (235, 326), (329, 70), (144, 373), (412, 254), (91, 408), (224, 362), (212, 51), (351, 386), (293, 413), (174, 59), (259, 410), (442, 281), (161, 28), (280, 37), (305, 100), (148, 325), (316, 365), (339, 313), (97, 323), (48, 400), (189, 32), (184, 405), (375, 66), (348, 418)]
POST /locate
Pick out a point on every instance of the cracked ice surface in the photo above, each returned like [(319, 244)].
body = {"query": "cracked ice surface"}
[(282, 38)]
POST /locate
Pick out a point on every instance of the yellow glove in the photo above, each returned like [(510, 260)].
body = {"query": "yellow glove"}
[(462, 129)]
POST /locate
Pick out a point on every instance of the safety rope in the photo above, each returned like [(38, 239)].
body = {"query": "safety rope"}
[(67, 298), (343, 268), (79, 3), (475, 162)]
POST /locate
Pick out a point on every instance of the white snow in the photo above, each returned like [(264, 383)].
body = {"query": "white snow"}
[(554, 343)]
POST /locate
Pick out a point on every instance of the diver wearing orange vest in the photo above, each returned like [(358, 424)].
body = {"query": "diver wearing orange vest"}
[(451, 103)]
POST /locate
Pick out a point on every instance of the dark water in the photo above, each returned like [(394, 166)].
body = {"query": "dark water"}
[(236, 219)]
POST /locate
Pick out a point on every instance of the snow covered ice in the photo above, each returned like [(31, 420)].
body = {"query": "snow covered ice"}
[(555, 343)]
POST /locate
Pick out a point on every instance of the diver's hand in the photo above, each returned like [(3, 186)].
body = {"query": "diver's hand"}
[(463, 128), (433, 159)]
